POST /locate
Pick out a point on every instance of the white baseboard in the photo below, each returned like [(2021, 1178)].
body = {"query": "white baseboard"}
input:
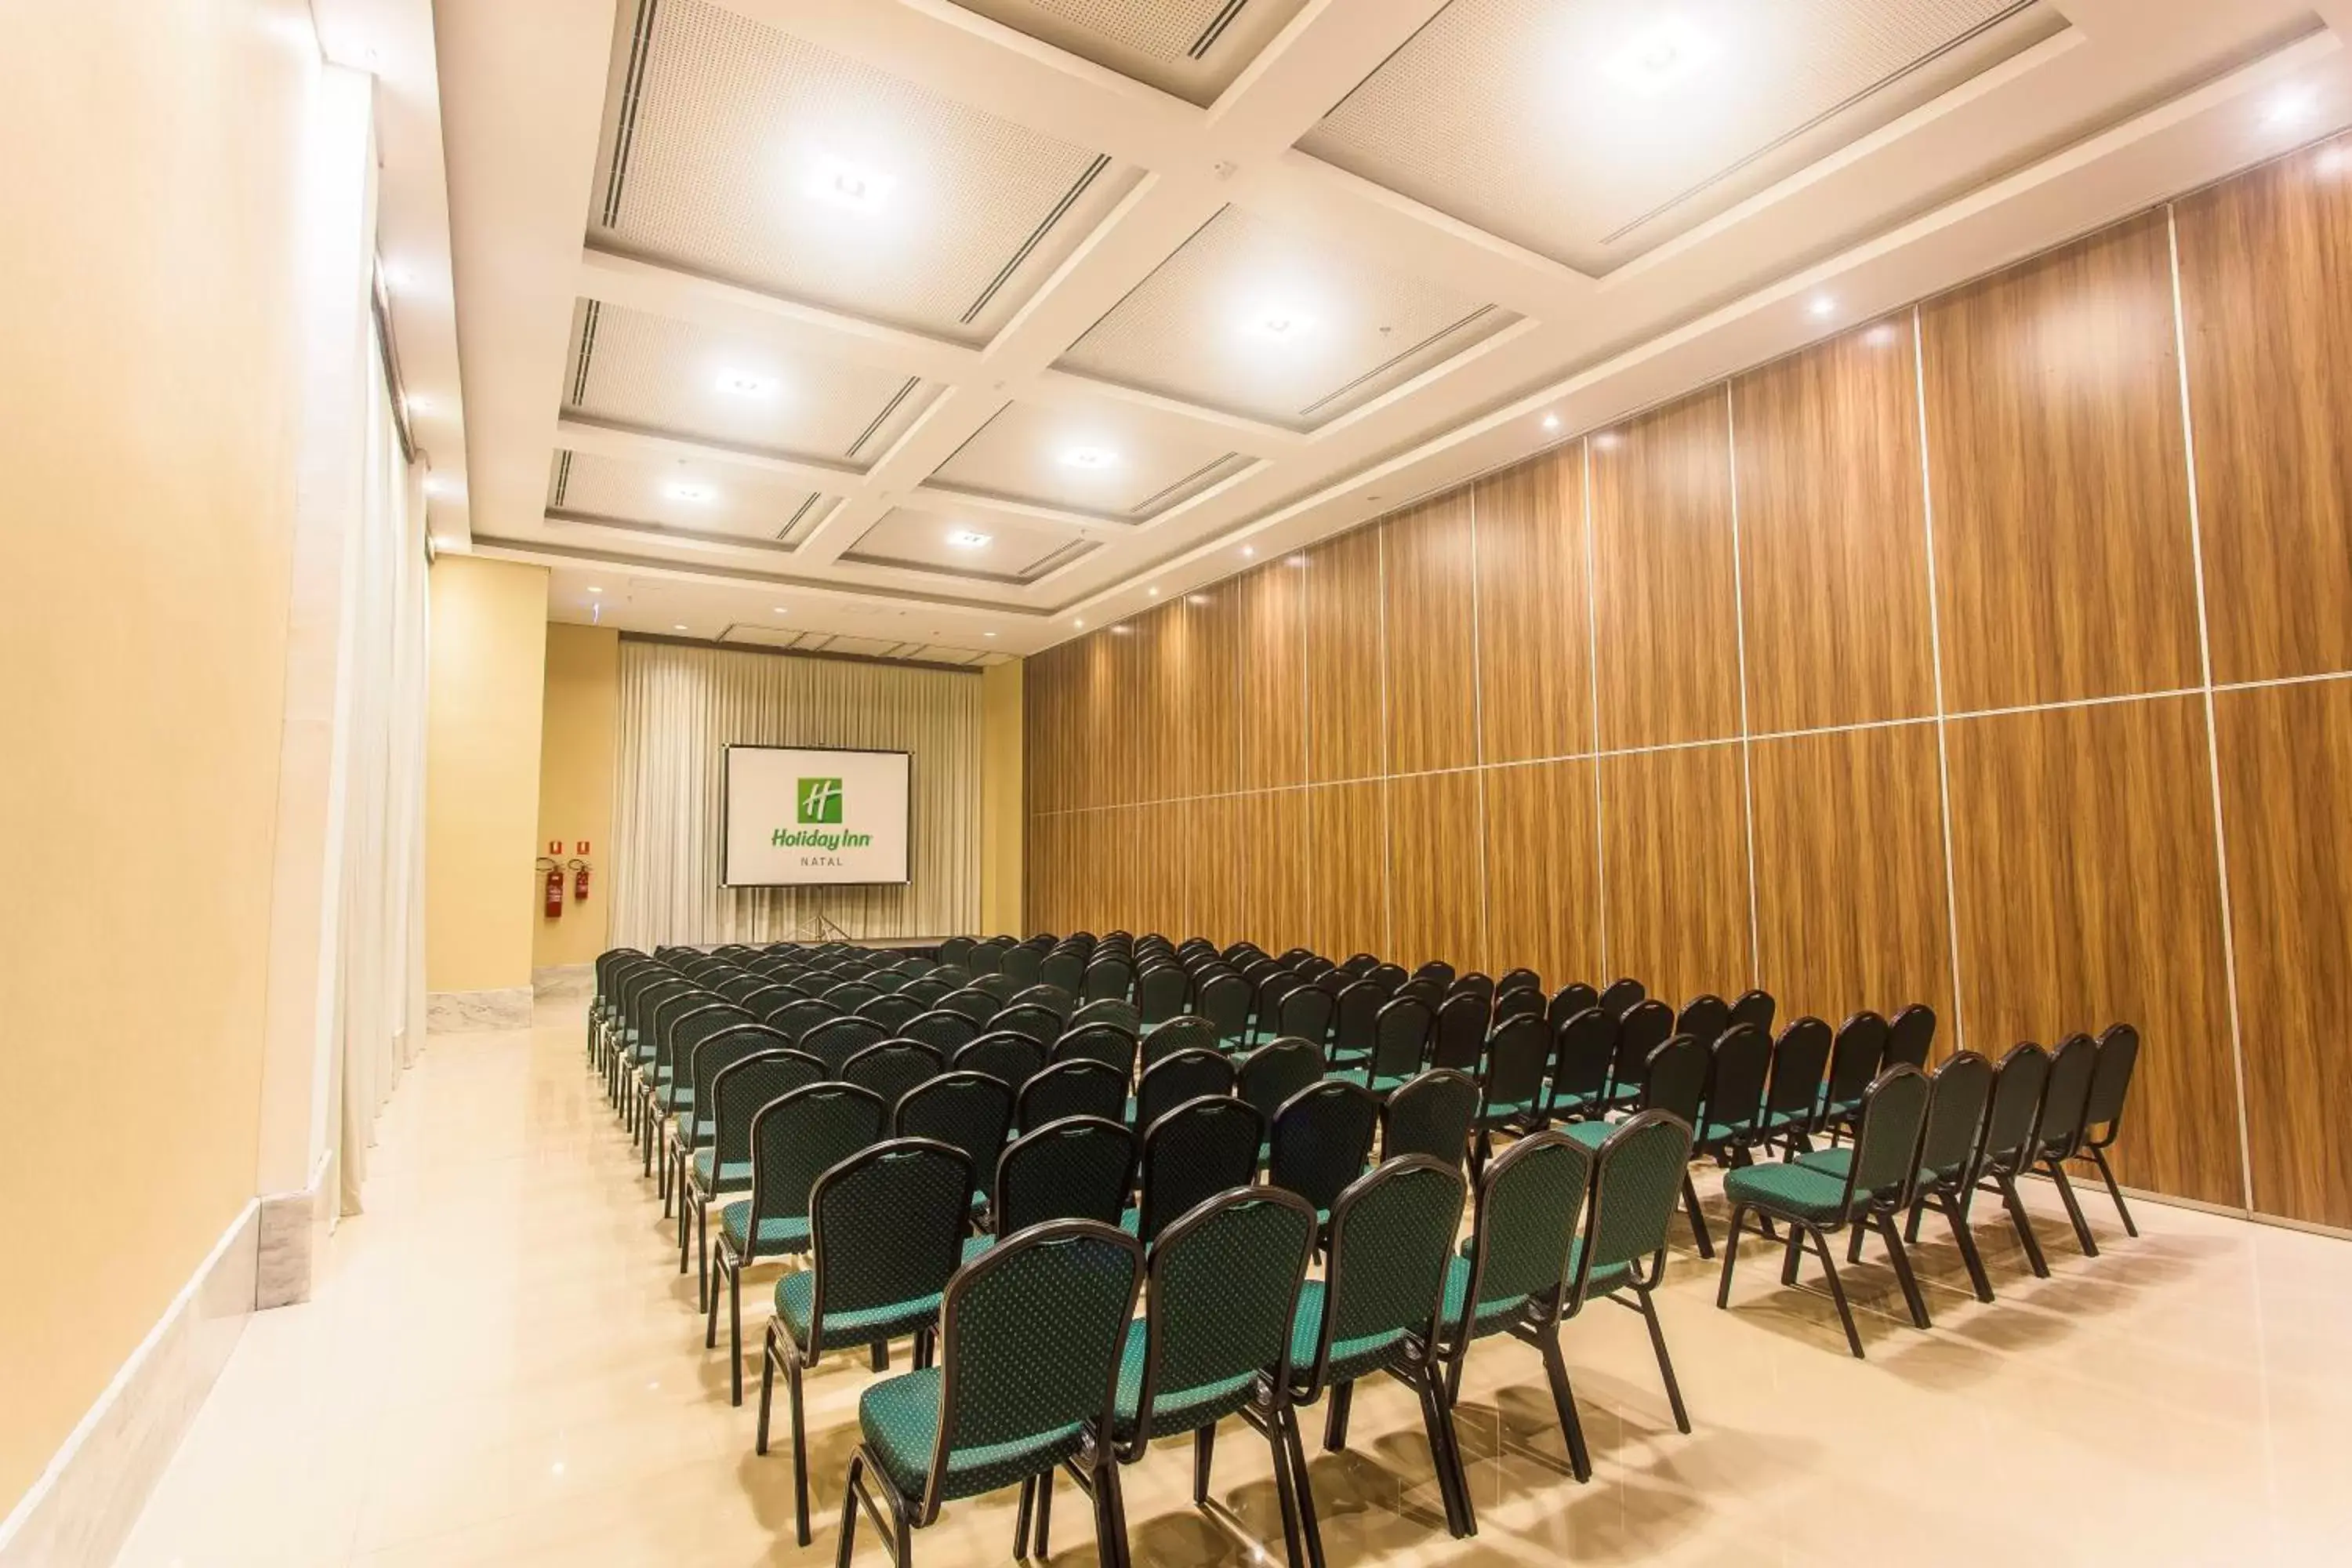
[(461, 1012), (85, 1503), (292, 1228)]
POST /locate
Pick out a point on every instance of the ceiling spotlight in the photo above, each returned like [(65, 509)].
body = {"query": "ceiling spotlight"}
[(1659, 57), (1153, 591), (1282, 324), (1087, 457), (1249, 550), (1822, 307), (988, 633), (687, 490), (744, 383), (782, 611), (1552, 421), (679, 627), (1077, 622), (2291, 104), (965, 539), (840, 183)]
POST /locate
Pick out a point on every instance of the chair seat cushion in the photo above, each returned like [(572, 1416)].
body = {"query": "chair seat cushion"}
[(1174, 1409), (796, 1304), (900, 1419), (778, 1233), (733, 1179), (1589, 1134), (1493, 1314), (1350, 1359), (1798, 1191), (974, 1246), (1606, 1278)]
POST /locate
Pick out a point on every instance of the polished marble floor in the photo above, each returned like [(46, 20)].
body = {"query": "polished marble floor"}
[(501, 1366)]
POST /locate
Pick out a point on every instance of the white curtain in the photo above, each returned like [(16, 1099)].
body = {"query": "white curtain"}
[(380, 1013), (680, 706)]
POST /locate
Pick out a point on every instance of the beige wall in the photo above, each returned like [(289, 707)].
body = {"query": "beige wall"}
[(481, 772), (147, 432), (1002, 812), (580, 729)]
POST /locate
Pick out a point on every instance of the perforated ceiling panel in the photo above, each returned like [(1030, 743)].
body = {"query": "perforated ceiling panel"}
[(1255, 319), (1193, 48), (918, 541), (688, 501), (1592, 130), (633, 368), (1098, 457), (737, 151)]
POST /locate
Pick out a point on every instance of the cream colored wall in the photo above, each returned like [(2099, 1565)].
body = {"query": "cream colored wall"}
[(1002, 812), (147, 430), (481, 772), (580, 729)]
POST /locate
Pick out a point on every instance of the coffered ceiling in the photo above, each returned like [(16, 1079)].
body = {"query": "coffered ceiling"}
[(924, 329)]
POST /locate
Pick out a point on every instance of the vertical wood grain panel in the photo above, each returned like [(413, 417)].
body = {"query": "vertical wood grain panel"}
[(1431, 647), (1850, 893), (1343, 656), (2063, 556), (2286, 793), (2089, 892), (1269, 607), (1349, 869), (1832, 534), (1535, 647), (1543, 881), (1277, 904), (1435, 844), (1150, 719), (1216, 889), (1665, 593), (1675, 839), (1213, 652), (1095, 725), (2264, 259)]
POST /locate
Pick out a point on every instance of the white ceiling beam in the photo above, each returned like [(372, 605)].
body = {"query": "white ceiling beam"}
[(603, 440)]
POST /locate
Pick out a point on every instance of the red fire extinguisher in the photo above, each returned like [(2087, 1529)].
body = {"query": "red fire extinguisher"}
[(580, 879), (554, 905)]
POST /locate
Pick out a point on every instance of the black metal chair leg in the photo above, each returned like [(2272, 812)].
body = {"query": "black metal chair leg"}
[(1286, 1494), (1730, 1256), (1204, 1449), (849, 1512), (2107, 1174), (879, 1355), (1021, 1519), (1044, 1518), (1433, 1421), (1962, 1237), (1666, 1362), (799, 1452), (1698, 1220), (2023, 1225), (735, 1334), (711, 1314), (1563, 1399), (1304, 1485), (1837, 1292), (1901, 1258), (1335, 1420), (1792, 1254), (2082, 1236), (767, 1388), (1854, 1244)]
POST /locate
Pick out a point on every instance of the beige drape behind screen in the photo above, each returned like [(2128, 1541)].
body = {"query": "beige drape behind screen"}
[(681, 706)]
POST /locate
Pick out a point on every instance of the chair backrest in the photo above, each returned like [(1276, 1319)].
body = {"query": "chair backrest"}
[(892, 1068), (1854, 1057), (1105, 1043), (1675, 1079), (722, 1050), (1620, 995), (1737, 1066), (1909, 1034), (797, 1017), (1401, 1036), (1225, 1001), (1886, 1137), (1008, 1056), (1353, 1010), (1001, 985), (850, 995), (1064, 967), (1010, 1372), (1107, 977), (886, 1226), (1185, 1032), (1173, 1079), (1529, 1201), (1569, 1001), (1160, 991), (1023, 965), (1800, 1057), (1115, 1011), (1637, 1185), (1703, 1018), (2111, 1083), (1080, 1088), (1201, 1148), (1389, 977), (2017, 1086), (1358, 964), (686, 1036), (971, 1003), (1584, 1048), (1436, 969), (1961, 1090), (1223, 1290), (957, 949), (1519, 979), (1519, 1002), (1461, 1032), (892, 1011), (741, 1087), (1271, 1074), (1642, 1029), (1321, 1138), (838, 1040), (1392, 1238), (967, 1110), (945, 1032), (1305, 1013), (1028, 1018), (2067, 1096), (1080, 1167), (1431, 1114), (1518, 1053), (797, 1138)]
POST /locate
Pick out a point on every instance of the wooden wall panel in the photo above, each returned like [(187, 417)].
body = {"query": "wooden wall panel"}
[(1535, 647), (1269, 609), (1430, 574), (1832, 534), (2060, 477), (1276, 902), (1674, 876), (1348, 869), (1436, 842), (1543, 880), (1343, 656), (1210, 763), (1665, 593), (1850, 911), (2286, 806), (1158, 897), (1156, 654), (2263, 260), (1095, 731), (1216, 888), (2089, 890)]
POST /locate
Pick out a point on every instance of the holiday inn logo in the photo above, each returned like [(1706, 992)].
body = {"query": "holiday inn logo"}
[(820, 800)]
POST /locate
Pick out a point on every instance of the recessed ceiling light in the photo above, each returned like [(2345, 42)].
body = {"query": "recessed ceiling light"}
[(595, 590), (1822, 306), (1249, 550), (746, 383), (838, 182), (988, 633), (679, 627), (1659, 57), (687, 490), (1284, 325), (1153, 591), (1077, 623), (965, 539), (782, 611), (1552, 421), (1089, 457), (2289, 104)]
